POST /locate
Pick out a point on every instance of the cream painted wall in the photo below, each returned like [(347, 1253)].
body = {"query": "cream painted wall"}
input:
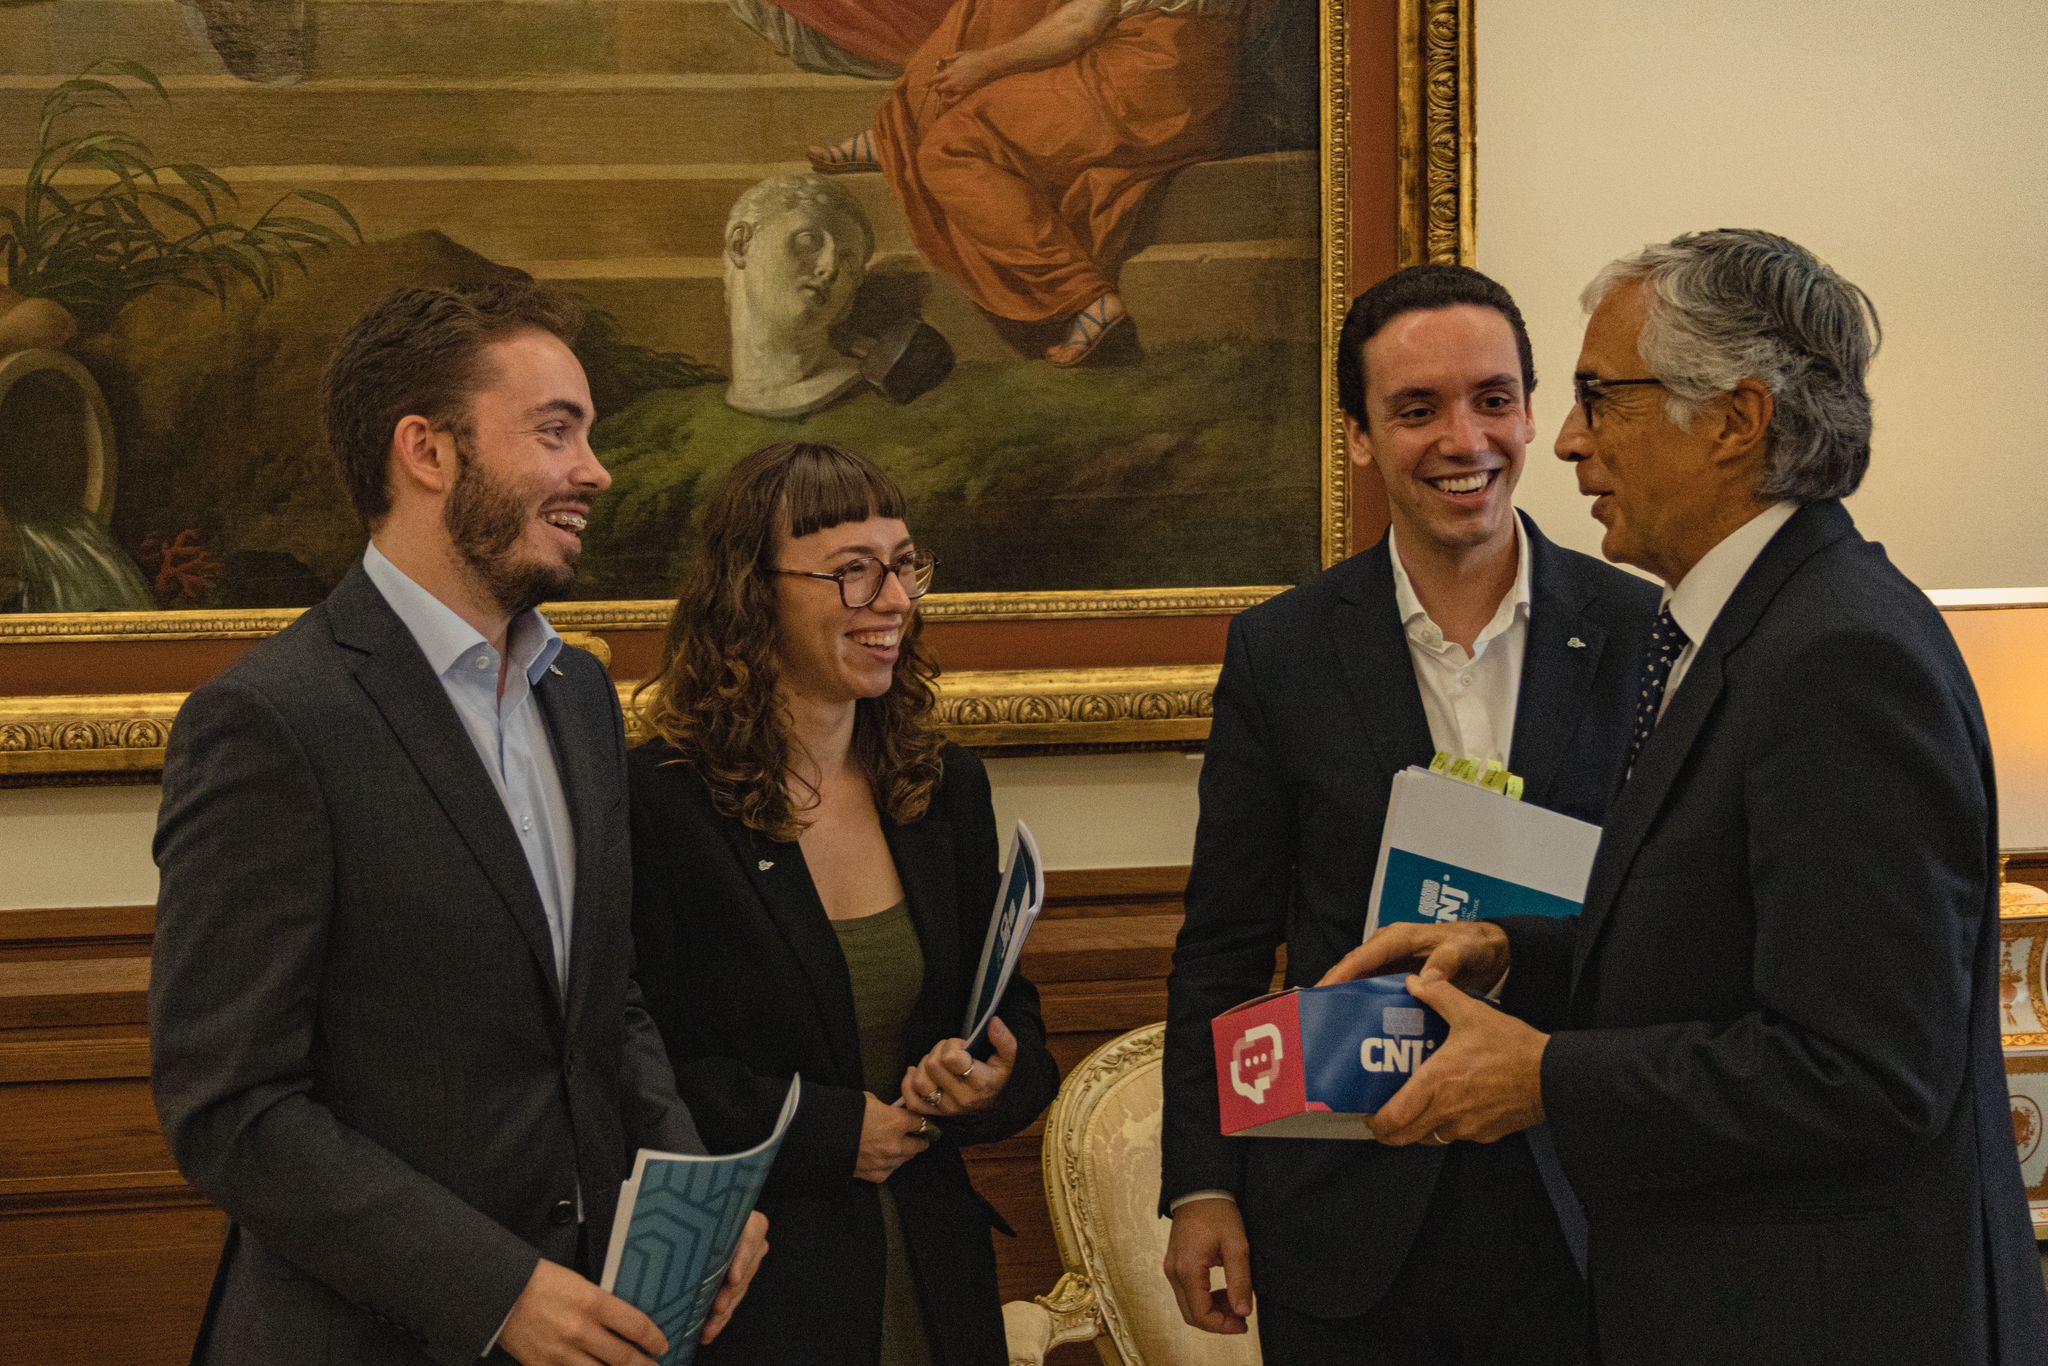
[(90, 846), (76, 846), (1906, 144)]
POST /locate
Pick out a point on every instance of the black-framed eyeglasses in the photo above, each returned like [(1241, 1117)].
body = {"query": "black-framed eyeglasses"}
[(1588, 390), (860, 581)]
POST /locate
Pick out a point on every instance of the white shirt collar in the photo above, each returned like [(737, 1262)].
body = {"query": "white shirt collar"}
[(444, 637), (1704, 591), (1517, 600)]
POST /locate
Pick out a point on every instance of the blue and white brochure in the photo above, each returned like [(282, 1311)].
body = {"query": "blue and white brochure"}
[(1455, 851), (1019, 898), (679, 1222)]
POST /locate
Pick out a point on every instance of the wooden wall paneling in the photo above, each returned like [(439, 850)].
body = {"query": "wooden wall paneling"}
[(117, 1278), (106, 1252)]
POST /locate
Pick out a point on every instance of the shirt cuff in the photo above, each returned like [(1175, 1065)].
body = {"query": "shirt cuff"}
[(1173, 1207), (492, 1345)]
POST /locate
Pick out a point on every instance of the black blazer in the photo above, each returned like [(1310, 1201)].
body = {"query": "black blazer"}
[(1316, 711), (362, 1052), (1779, 1087), (746, 981)]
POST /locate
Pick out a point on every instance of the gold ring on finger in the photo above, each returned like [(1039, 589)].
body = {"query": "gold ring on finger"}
[(934, 1097)]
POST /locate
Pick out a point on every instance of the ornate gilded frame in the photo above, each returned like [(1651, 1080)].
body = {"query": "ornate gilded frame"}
[(117, 736)]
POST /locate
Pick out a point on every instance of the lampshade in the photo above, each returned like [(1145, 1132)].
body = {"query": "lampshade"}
[(2003, 633)]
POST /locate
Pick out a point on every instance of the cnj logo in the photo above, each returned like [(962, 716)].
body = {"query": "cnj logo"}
[(1404, 1048), (1393, 1055), (1442, 902), (1255, 1061)]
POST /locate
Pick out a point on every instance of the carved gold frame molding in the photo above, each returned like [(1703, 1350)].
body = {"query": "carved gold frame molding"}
[(1436, 134), (55, 740), (52, 740), (639, 614)]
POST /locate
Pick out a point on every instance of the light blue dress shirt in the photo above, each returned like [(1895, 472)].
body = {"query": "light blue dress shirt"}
[(509, 732)]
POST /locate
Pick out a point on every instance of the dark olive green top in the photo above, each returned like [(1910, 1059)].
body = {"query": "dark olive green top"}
[(886, 965)]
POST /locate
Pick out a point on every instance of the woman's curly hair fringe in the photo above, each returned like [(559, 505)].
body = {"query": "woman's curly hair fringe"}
[(714, 697)]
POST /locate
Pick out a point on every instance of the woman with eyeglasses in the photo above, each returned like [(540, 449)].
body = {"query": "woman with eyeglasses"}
[(814, 872)]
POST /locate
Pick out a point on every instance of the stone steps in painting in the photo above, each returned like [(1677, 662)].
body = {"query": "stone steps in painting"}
[(437, 38), (586, 212), (473, 121), (1183, 292), (600, 143)]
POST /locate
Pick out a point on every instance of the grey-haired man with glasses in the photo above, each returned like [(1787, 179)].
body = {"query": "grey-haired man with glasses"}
[(1768, 1050)]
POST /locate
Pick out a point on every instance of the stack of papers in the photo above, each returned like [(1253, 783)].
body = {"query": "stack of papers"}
[(1455, 851)]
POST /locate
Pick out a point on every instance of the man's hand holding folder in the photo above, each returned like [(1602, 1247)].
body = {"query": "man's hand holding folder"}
[(1486, 1081)]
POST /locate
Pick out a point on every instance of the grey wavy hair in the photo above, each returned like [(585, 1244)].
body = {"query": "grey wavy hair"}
[(782, 193), (1736, 303)]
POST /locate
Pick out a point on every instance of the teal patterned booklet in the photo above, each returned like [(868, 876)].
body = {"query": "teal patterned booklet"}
[(679, 1221)]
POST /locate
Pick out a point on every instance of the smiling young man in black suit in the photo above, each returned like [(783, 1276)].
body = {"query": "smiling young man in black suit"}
[(1463, 631), (1775, 1074)]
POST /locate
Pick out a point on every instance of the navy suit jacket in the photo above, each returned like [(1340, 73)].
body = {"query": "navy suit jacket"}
[(1316, 711), (1779, 1087)]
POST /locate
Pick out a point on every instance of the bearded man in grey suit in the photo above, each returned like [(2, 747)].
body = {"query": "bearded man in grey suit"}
[(395, 1033)]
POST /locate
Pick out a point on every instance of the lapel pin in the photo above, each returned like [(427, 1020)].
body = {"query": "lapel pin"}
[(765, 864), (1576, 643), (556, 670)]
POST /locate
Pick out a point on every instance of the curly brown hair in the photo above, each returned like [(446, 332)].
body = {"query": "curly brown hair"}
[(714, 697)]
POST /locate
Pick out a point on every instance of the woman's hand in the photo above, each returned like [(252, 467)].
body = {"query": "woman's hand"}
[(889, 1137), (949, 1083), (962, 74)]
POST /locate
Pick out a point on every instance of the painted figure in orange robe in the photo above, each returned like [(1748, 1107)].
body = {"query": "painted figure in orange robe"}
[(871, 38), (1024, 136)]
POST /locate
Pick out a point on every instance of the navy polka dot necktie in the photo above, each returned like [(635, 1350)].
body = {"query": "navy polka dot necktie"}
[(1667, 642)]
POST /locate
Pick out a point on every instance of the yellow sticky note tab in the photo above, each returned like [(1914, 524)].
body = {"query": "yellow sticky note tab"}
[(1490, 774)]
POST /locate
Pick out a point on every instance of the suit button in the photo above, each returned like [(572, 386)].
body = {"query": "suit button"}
[(569, 1063), (564, 1212)]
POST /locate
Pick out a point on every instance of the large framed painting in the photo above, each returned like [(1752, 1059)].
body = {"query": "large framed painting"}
[(1083, 305)]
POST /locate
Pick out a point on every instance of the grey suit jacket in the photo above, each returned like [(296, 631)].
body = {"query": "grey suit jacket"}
[(362, 1052)]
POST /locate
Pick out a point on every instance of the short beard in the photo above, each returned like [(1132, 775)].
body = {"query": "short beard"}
[(485, 520)]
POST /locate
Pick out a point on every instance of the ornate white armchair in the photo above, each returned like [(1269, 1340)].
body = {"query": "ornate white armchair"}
[(1102, 1185)]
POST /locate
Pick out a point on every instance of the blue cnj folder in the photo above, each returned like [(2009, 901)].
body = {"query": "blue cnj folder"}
[(1455, 851), (679, 1222)]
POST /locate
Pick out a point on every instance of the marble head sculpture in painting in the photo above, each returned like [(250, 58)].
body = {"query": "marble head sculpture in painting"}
[(796, 249)]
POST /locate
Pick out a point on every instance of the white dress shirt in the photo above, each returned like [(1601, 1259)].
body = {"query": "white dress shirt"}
[(1469, 698), (1705, 590)]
